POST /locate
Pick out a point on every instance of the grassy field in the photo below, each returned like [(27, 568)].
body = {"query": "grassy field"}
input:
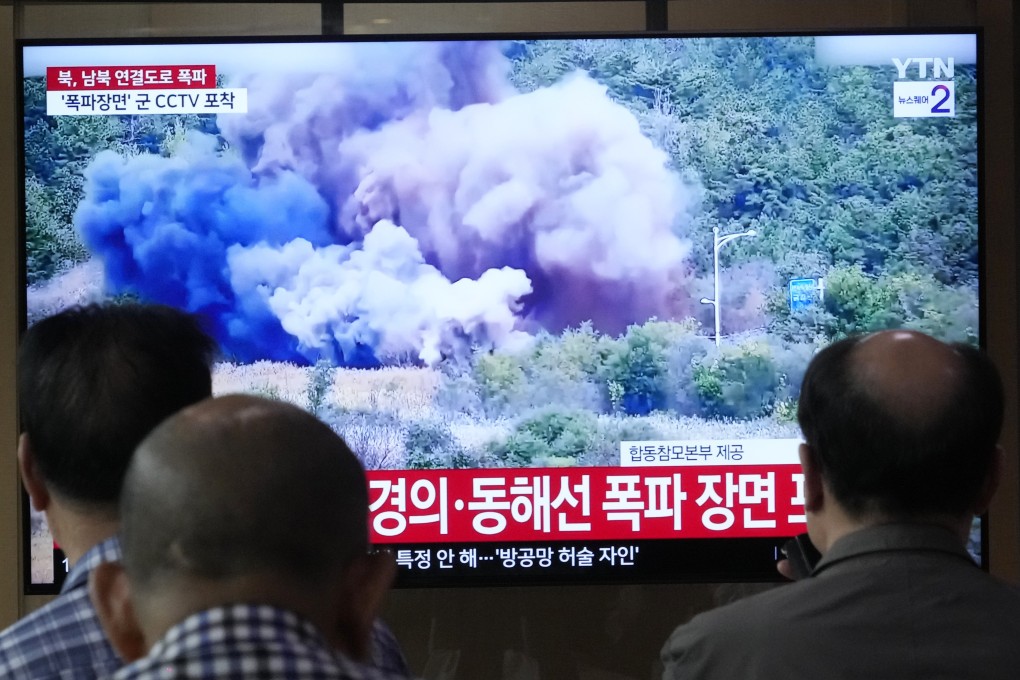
[(407, 392), (392, 419)]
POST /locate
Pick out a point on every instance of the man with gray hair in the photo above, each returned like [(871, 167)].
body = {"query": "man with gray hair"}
[(245, 550)]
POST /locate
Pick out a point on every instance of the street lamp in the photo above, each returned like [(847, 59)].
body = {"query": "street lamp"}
[(718, 243)]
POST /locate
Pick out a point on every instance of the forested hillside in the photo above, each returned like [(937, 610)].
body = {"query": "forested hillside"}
[(756, 136)]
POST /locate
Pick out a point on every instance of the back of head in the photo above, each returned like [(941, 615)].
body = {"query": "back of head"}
[(240, 486), (94, 380), (901, 424)]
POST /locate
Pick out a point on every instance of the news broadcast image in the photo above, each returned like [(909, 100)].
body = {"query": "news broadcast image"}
[(558, 294)]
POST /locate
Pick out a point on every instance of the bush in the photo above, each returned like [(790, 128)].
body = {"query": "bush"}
[(575, 354), (708, 381), (581, 370), (430, 445), (682, 376), (375, 437), (931, 307), (266, 391), (551, 433), (636, 368), (458, 390), (563, 370), (610, 431), (499, 378), (554, 369), (785, 411), (791, 362), (741, 382), (551, 385)]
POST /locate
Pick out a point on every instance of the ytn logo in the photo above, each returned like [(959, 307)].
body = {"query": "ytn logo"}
[(941, 70)]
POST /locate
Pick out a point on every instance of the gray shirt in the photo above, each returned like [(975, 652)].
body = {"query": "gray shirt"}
[(897, 601)]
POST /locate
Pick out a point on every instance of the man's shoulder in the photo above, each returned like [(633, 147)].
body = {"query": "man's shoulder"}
[(881, 609), (61, 636), (773, 614), (997, 602), (54, 619), (229, 666), (247, 640), (386, 652), (746, 614), (721, 642), (350, 670)]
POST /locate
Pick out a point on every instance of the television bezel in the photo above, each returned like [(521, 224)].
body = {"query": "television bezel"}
[(731, 549)]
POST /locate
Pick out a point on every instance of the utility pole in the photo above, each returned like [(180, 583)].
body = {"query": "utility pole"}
[(717, 243)]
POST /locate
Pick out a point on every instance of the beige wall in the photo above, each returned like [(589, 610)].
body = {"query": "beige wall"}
[(999, 19), (613, 632), (10, 526)]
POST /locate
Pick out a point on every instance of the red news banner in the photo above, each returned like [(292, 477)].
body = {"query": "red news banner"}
[(604, 503), (76, 78)]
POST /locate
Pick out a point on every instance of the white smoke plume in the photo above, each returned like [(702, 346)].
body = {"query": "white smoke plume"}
[(337, 299)]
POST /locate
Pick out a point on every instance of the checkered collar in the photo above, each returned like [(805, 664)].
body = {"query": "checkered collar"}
[(104, 551)]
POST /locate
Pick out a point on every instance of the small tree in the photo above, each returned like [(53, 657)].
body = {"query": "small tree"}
[(320, 380)]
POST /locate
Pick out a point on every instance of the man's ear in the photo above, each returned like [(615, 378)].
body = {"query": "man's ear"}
[(814, 487), (31, 477), (110, 593), (991, 482), (366, 581)]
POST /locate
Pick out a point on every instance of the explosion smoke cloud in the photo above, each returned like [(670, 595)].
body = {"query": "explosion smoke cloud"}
[(337, 300), (400, 206), (559, 182)]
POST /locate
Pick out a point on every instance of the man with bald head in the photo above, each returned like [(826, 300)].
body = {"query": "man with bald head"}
[(900, 454), (244, 533)]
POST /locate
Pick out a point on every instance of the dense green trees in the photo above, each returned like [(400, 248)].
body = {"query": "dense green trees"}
[(882, 211), (811, 158), (658, 366)]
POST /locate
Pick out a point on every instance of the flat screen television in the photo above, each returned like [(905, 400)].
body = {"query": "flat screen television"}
[(558, 293)]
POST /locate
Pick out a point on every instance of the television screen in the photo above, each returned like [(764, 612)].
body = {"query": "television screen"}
[(557, 293)]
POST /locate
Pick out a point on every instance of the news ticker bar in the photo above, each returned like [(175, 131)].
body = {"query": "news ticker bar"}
[(587, 562)]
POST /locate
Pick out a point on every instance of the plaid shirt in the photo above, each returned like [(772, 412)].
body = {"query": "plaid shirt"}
[(246, 642), (63, 639), (386, 652)]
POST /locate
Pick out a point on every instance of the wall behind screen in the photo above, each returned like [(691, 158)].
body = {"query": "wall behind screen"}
[(594, 633)]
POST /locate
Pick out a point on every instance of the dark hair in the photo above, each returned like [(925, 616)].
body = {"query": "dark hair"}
[(94, 380), (879, 459)]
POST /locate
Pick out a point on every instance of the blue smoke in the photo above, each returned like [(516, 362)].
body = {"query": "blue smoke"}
[(162, 227)]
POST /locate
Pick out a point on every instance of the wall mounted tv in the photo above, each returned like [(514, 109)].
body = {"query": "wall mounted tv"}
[(557, 292)]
